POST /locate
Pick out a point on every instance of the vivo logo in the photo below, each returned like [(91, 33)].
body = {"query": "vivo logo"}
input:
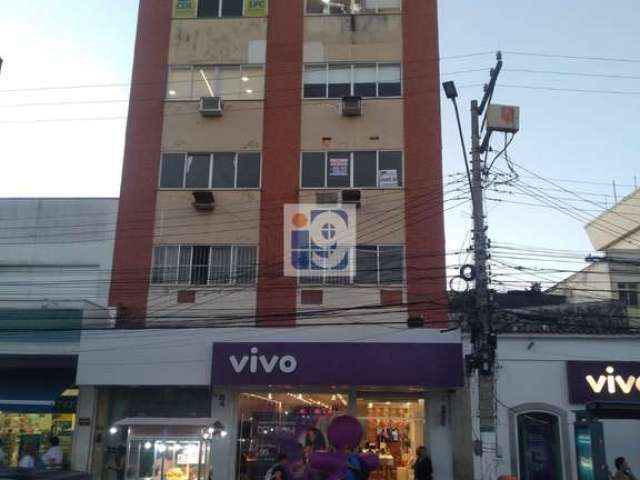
[(613, 382), (286, 363)]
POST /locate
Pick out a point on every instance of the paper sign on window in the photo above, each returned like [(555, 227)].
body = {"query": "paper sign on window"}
[(338, 167), (185, 8), (255, 8), (388, 178)]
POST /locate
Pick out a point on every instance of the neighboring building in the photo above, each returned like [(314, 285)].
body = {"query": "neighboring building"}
[(236, 110), (55, 263), (615, 233)]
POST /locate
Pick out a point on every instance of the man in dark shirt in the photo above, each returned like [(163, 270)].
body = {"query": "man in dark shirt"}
[(423, 469)]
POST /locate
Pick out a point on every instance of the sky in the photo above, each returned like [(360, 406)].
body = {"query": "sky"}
[(586, 138)]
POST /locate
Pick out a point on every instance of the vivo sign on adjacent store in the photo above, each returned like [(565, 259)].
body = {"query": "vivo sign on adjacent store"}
[(324, 364), (597, 381)]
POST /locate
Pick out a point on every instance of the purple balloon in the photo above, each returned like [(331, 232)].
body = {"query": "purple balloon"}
[(345, 432)]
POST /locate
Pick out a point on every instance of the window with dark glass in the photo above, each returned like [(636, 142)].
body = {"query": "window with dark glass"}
[(315, 81), (628, 293), (339, 80), (364, 169), (208, 8), (338, 169), (248, 166), (172, 170), (540, 452), (313, 169), (364, 80), (204, 265), (365, 173), (366, 264), (197, 171), (391, 264), (389, 80), (232, 8), (223, 170)]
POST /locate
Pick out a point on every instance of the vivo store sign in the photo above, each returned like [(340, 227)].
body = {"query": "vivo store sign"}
[(597, 381), (326, 364)]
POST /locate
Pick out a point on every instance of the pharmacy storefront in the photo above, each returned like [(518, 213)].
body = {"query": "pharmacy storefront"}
[(264, 398)]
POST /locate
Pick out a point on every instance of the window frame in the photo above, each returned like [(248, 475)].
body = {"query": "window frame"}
[(377, 11), (352, 78), (559, 433), (211, 167), (233, 265), (626, 292), (351, 170), (193, 68), (220, 6), (327, 280)]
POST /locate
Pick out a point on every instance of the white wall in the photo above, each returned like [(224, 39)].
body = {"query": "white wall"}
[(56, 248), (536, 373)]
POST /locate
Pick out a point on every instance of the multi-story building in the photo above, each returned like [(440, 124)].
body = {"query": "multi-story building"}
[(55, 264), (238, 108), (615, 274)]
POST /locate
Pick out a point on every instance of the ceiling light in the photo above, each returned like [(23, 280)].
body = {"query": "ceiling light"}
[(249, 91), (147, 445), (172, 93), (113, 430), (245, 79)]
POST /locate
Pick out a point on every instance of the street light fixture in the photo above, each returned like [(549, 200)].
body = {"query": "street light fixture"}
[(450, 90), (452, 93)]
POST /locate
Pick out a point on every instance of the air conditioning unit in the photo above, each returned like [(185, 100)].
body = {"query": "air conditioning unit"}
[(351, 197), (203, 201), (351, 106), (326, 197), (211, 106)]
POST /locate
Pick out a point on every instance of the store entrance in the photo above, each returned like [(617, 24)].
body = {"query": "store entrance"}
[(393, 429)]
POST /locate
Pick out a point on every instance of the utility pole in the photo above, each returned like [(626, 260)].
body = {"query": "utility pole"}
[(483, 336)]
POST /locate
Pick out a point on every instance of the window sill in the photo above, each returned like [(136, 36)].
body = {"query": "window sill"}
[(206, 189), (400, 97), (187, 286), (339, 189), (365, 14), (227, 17), (226, 100)]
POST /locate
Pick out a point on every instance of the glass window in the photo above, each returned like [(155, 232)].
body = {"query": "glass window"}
[(200, 265), (220, 271), (228, 82), (283, 422), (539, 446), (184, 265), (389, 80), (315, 81), (364, 80), (393, 426), (232, 8), (317, 6), (179, 83), (388, 6), (390, 169), (313, 169), (339, 80), (246, 264), (248, 170), (204, 79), (197, 171), (165, 264), (391, 264), (338, 169), (223, 170), (365, 172), (366, 264), (628, 293), (252, 82), (208, 8), (172, 170)]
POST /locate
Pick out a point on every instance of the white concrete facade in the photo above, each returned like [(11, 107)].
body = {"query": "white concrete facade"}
[(532, 376)]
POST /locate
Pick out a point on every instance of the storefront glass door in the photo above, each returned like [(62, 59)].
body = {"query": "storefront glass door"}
[(539, 446), (393, 429), (292, 423)]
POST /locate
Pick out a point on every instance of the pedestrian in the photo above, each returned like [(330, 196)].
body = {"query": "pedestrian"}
[(28, 458), (623, 470), (422, 467), (119, 462), (280, 470), (52, 458), (3, 455)]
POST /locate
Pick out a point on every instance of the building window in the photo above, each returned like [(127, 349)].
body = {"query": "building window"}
[(336, 80), (628, 293), (375, 265), (539, 449), (364, 169), (231, 82), (204, 265), (223, 170), (231, 8), (339, 7)]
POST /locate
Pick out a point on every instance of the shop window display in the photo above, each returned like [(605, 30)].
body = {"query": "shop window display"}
[(393, 429), (290, 423)]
